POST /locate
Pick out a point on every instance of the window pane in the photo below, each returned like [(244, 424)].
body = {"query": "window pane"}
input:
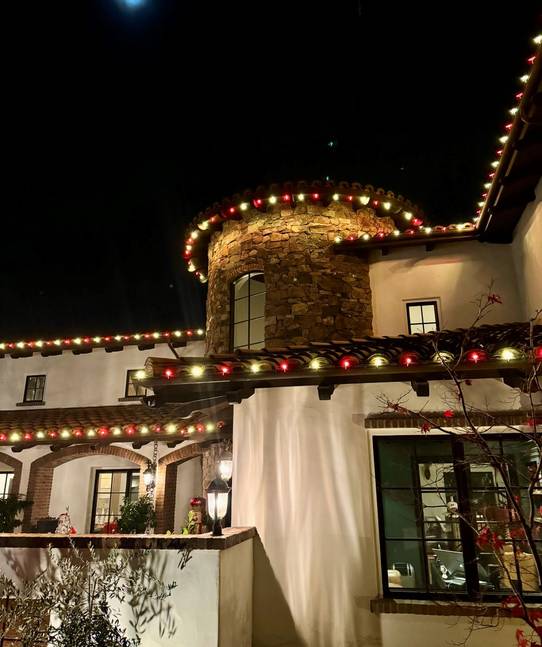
[(117, 499), (416, 328), (240, 310), (104, 481), (429, 313), (102, 504), (240, 335), (134, 487), (415, 313), (404, 564), (118, 482), (446, 567), (257, 305), (396, 461), (401, 518), (257, 283), (241, 287), (257, 331), (8, 483), (431, 327)]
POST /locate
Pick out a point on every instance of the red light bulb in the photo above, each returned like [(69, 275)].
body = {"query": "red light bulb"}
[(77, 432), (169, 373), (417, 222), (200, 427), (315, 196), (28, 436), (538, 353), (130, 430), (286, 197), (103, 431), (231, 209), (284, 366), (224, 369), (409, 358), (257, 202), (476, 355)]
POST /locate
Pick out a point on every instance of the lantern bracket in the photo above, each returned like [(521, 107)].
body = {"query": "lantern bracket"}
[(325, 391), (421, 388)]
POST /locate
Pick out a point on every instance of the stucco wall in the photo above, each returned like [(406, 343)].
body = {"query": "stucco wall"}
[(203, 610), (454, 274), (93, 379), (303, 476), (527, 249)]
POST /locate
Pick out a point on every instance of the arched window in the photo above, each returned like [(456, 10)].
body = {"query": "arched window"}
[(248, 311)]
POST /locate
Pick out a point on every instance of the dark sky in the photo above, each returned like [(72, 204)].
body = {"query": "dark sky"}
[(121, 124)]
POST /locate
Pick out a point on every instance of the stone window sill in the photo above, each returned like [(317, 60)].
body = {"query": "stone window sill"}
[(442, 608), (34, 403)]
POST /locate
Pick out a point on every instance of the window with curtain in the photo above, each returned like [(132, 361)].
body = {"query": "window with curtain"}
[(111, 489), (248, 311), (6, 483), (434, 497)]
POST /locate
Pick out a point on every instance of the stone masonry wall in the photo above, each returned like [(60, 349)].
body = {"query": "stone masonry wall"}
[(312, 294)]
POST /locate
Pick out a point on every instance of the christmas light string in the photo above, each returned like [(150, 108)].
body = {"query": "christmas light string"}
[(116, 433), (503, 140), (100, 341)]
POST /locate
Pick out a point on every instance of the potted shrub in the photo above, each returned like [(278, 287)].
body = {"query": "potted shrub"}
[(10, 507), (136, 517)]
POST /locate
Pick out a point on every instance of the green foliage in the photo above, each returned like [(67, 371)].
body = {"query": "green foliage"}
[(10, 507), (137, 516), (191, 523), (82, 590)]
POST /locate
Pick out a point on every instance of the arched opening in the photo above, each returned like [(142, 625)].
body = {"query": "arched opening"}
[(71, 478)]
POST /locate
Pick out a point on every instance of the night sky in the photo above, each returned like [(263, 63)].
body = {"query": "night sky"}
[(121, 123)]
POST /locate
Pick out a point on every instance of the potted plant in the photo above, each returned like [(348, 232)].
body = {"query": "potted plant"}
[(10, 507), (136, 517)]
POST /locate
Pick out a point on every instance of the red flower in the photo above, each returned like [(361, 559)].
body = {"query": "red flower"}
[(197, 500), (489, 539), (494, 298), (448, 413), (110, 528), (425, 427)]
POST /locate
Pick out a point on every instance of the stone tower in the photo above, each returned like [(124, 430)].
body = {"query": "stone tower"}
[(290, 233)]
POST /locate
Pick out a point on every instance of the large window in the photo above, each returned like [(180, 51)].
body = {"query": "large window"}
[(34, 388), (111, 489), (422, 316), (6, 482), (434, 496), (248, 311)]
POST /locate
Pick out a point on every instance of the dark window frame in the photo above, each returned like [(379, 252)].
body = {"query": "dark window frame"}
[(467, 534), (130, 382), (431, 302), (27, 388), (5, 493), (233, 300), (129, 472)]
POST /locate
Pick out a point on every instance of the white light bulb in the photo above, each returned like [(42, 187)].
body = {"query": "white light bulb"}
[(364, 199), (335, 196), (537, 39), (255, 368), (524, 78), (338, 239), (503, 139), (301, 197), (386, 205), (495, 164), (407, 215), (243, 206), (194, 234), (272, 199), (196, 371), (365, 236), (396, 232)]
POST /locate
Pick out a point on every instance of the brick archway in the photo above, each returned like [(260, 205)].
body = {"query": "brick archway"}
[(40, 481), (17, 470), (166, 478)]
